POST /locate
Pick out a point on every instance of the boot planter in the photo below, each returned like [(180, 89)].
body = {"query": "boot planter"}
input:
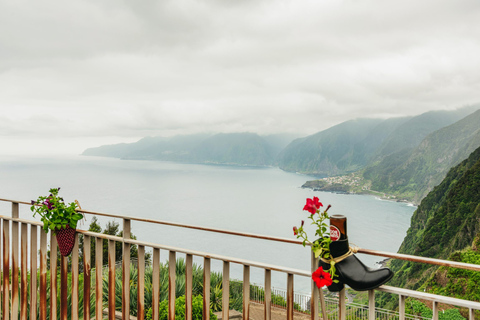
[(335, 286), (325, 264), (66, 240), (351, 271)]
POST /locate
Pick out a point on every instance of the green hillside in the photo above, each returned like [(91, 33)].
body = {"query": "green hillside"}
[(355, 144), (410, 133), (446, 221), (343, 148), (233, 148), (412, 174), (458, 283)]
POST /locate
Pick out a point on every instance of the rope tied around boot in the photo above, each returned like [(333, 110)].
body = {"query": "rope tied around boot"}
[(351, 250)]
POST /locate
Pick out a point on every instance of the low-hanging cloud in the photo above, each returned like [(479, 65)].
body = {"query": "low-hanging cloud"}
[(126, 69)]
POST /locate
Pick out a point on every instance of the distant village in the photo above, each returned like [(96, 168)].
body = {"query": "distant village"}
[(356, 184)]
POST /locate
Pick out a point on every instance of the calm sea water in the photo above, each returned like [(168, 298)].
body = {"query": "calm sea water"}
[(257, 200)]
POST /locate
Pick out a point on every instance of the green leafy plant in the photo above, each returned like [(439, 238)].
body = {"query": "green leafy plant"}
[(197, 309), (55, 213), (321, 246)]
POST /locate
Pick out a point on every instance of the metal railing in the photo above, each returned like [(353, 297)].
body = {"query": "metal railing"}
[(27, 293), (303, 301)]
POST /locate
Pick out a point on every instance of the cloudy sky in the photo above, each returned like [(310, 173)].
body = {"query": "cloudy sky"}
[(75, 74)]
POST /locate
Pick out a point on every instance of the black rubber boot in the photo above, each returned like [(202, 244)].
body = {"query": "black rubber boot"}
[(336, 286), (353, 272)]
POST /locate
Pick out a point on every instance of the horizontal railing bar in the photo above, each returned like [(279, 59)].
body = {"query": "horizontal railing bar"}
[(180, 225), (400, 256), (430, 297), (199, 253), (32, 222), (15, 201), (186, 251)]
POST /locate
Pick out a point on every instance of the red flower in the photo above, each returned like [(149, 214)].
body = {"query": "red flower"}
[(312, 205), (295, 231), (321, 278)]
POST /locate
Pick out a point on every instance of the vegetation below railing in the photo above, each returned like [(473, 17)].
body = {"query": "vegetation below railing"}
[(197, 309), (415, 307), (69, 297), (236, 288)]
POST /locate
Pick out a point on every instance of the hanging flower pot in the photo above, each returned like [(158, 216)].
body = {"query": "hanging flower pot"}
[(66, 240), (59, 217)]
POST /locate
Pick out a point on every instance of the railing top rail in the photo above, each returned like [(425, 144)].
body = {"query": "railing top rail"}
[(430, 297), (407, 257), (388, 289), (177, 249), (180, 225), (399, 256), (201, 254)]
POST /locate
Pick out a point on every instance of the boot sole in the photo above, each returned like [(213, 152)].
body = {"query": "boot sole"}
[(374, 287)]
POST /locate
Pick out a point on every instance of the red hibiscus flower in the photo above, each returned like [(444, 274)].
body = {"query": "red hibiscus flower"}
[(312, 205), (295, 231), (321, 278)]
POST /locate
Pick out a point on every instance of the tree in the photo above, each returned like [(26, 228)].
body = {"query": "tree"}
[(112, 228)]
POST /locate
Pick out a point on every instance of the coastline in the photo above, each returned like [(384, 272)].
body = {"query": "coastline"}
[(325, 185)]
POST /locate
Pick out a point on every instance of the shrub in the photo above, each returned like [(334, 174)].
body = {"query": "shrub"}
[(197, 309)]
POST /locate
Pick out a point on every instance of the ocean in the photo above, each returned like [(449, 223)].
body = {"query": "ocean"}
[(265, 201)]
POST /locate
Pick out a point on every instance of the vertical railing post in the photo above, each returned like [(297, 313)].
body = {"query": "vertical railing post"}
[(171, 284), (87, 260), (315, 293), (268, 295), (188, 286), (15, 259), (111, 279), (141, 283), (98, 278), (401, 307), (63, 287), (290, 296), (43, 275), (53, 276), (1, 267), (226, 290), (75, 254), (33, 271), (342, 308), (371, 305), (435, 310), (155, 283), (246, 292), (206, 289), (126, 271), (6, 270), (24, 273)]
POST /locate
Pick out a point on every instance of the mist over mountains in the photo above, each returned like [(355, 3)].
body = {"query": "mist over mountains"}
[(243, 149), (352, 145), (413, 172), (404, 156)]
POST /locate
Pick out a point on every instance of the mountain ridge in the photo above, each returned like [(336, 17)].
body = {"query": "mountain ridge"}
[(446, 221), (412, 174), (242, 149)]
